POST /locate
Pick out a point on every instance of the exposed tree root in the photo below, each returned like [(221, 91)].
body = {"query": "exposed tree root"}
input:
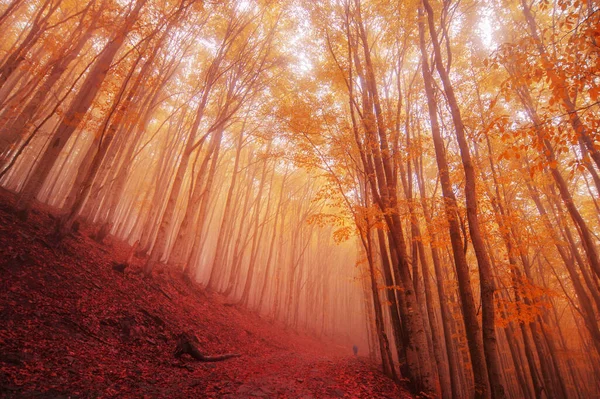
[(120, 267), (188, 343)]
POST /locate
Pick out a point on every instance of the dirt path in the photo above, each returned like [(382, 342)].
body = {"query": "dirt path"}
[(301, 375)]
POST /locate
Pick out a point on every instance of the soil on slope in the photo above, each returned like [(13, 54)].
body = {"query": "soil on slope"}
[(71, 326)]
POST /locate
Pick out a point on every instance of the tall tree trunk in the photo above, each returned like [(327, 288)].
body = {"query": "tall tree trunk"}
[(485, 271), (272, 244), (472, 327), (197, 244), (217, 263)]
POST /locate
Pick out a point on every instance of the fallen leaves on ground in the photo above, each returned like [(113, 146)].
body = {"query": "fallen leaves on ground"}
[(72, 326)]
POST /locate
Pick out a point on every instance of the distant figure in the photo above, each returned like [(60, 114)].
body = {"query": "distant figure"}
[(355, 350)]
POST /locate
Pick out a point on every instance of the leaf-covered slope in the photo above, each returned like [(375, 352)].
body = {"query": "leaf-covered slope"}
[(72, 326)]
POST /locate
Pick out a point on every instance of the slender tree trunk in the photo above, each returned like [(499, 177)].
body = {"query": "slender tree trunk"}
[(197, 244), (8, 11), (272, 244), (38, 26), (78, 108), (217, 263), (485, 270), (16, 129), (472, 327)]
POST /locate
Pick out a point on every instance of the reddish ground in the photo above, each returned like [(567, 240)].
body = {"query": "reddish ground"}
[(71, 326)]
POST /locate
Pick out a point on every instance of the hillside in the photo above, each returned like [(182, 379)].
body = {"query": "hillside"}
[(73, 326)]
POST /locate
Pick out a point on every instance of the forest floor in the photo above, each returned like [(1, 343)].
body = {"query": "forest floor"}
[(71, 326)]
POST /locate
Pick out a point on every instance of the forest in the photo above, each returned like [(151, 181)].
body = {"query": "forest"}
[(419, 178)]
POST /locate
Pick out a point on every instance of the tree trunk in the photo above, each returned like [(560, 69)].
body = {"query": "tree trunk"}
[(472, 327), (78, 108)]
